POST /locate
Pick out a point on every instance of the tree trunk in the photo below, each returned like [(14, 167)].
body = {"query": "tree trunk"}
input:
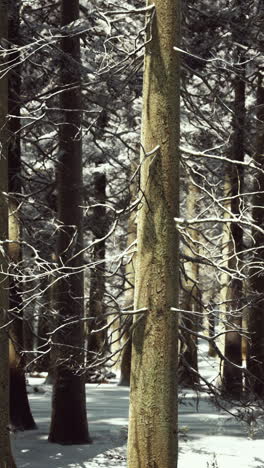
[(190, 299), (6, 459), (125, 364), (97, 341), (69, 421), (20, 414), (255, 358), (224, 277), (188, 359), (211, 328), (232, 372), (152, 440)]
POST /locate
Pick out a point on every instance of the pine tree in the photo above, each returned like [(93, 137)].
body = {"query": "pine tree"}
[(6, 458), (152, 437), (255, 358), (20, 414), (69, 421)]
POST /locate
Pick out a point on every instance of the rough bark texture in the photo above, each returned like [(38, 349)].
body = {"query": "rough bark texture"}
[(255, 358), (20, 414), (69, 421), (6, 459), (232, 375), (152, 440)]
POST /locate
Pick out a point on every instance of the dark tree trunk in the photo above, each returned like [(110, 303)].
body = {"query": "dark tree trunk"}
[(97, 342), (125, 365), (6, 458), (232, 372), (45, 325), (255, 357), (188, 360), (20, 414), (211, 330), (69, 420), (190, 299)]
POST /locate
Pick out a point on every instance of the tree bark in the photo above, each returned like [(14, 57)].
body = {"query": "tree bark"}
[(6, 459), (20, 414), (97, 342), (69, 421), (255, 357), (190, 299), (232, 372), (125, 364), (152, 440), (188, 358)]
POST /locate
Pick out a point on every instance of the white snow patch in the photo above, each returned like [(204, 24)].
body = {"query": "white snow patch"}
[(209, 437)]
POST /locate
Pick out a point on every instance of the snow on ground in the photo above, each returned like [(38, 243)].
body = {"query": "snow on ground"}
[(107, 407), (210, 438)]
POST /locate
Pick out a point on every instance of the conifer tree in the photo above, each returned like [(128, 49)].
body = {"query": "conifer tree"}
[(152, 439)]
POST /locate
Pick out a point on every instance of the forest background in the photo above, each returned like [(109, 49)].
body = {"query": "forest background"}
[(73, 191)]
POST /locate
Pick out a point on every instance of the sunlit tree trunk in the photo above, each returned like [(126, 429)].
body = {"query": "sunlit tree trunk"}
[(69, 421), (255, 358), (6, 459), (152, 439)]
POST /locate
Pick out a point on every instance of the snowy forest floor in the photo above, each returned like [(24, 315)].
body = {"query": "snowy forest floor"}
[(210, 437)]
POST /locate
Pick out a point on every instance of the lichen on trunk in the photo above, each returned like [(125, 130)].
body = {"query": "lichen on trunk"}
[(153, 434)]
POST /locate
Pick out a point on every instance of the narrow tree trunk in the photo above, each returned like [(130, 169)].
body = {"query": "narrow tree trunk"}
[(224, 277), (255, 358), (211, 328), (20, 414), (232, 374), (45, 323), (152, 440), (6, 459), (69, 421), (97, 342), (190, 299), (188, 359), (125, 364)]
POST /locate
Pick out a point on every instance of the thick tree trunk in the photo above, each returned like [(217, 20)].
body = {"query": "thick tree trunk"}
[(69, 421), (232, 373), (255, 358), (152, 440), (20, 414), (6, 459)]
